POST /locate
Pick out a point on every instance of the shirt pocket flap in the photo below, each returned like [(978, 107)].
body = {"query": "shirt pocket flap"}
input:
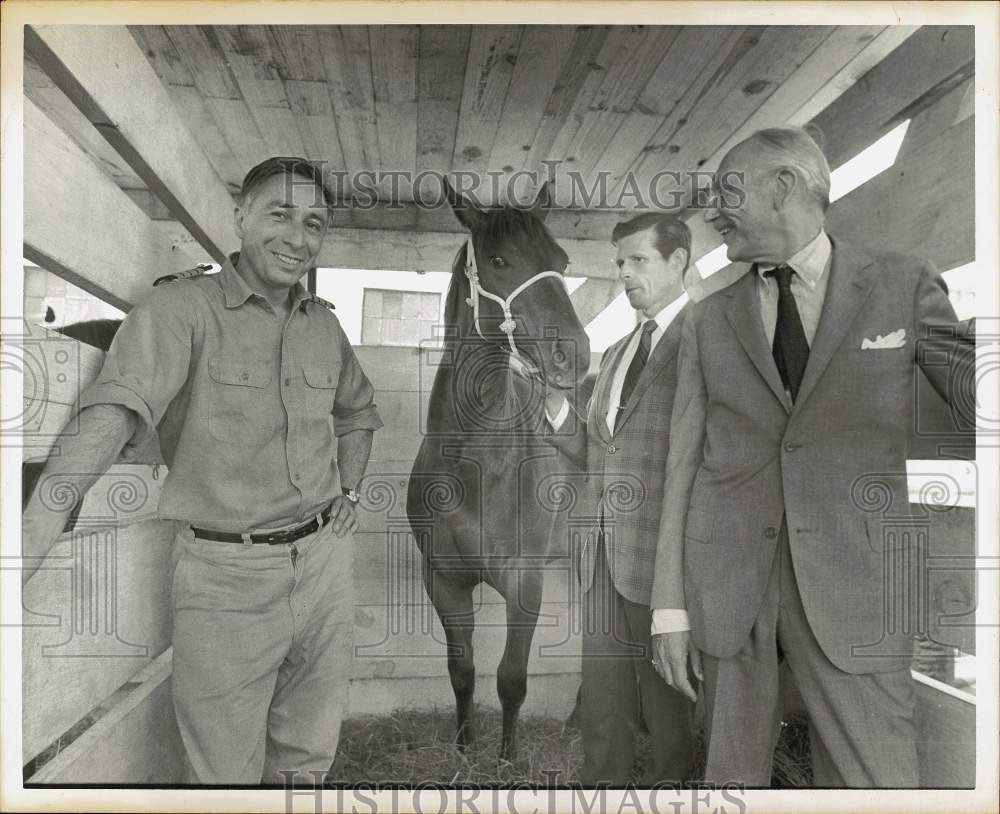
[(245, 372), (323, 377)]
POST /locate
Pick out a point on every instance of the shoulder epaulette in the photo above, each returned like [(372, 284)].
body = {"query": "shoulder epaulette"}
[(187, 274), (320, 301)]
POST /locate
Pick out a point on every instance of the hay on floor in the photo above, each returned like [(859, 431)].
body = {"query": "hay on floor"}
[(413, 747)]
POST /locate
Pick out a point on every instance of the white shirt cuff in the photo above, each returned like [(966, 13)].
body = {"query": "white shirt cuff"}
[(669, 620), (559, 418)]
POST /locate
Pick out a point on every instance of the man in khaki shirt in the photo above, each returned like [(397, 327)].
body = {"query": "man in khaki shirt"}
[(240, 373)]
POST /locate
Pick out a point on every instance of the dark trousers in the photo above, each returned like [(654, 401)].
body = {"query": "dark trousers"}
[(618, 685), (861, 727)]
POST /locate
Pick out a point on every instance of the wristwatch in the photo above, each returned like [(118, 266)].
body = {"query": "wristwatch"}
[(351, 494)]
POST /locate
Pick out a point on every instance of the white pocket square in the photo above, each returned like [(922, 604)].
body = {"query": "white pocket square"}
[(896, 339)]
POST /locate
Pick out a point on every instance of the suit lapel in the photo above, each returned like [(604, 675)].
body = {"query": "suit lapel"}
[(602, 389), (665, 350), (744, 315), (851, 278)]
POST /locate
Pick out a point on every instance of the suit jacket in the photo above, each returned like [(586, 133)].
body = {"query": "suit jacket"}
[(742, 460), (624, 470)]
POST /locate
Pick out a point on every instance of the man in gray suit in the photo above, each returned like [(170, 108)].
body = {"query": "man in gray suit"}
[(622, 446), (788, 443)]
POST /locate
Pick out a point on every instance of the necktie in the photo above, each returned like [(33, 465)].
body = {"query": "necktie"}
[(790, 349), (635, 366)]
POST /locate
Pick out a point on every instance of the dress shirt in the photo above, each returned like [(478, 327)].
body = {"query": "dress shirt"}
[(242, 398), (811, 265), (663, 319)]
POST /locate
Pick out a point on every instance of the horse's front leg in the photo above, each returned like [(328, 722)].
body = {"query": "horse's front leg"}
[(452, 599), (523, 595)]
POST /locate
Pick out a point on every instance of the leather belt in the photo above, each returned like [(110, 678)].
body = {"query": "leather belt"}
[(274, 538)]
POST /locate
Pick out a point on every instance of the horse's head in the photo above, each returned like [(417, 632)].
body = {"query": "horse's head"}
[(515, 294)]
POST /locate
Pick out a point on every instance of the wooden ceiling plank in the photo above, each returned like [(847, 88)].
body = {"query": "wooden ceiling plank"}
[(299, 49), (633, 67), (698, 52), (443, 51), (394, 50), (90, 233), (162, 54), (616, 105), (871, 107), (575, 80), (492, 55), (251, 56), (199, 50), (761, 61), (198, 47), (107, 76), (540, 59), (310, 104), (348, 74), (178, 77), (194, 111), (880, 46)]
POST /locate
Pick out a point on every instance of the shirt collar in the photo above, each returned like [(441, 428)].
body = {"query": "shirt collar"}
[(236, 291), (809, 262), (667, 314)]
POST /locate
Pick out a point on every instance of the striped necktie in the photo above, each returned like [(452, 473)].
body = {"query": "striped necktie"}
[(635, 366)]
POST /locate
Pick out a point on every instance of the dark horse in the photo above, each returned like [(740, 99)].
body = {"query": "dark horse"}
[(471, 500)]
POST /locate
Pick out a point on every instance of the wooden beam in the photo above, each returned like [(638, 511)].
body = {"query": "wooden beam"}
[(923, 205), (894, 89), (434, 251), (133, 737), (591, 298), (107, 76), (90, 233)]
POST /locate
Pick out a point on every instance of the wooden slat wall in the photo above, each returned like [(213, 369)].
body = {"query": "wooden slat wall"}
[(98, 609)]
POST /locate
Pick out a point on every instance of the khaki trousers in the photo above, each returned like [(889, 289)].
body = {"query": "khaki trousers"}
[(262, 655)]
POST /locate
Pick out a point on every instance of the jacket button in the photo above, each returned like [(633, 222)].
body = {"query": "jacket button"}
[(771, 532), (612, 449), (789, 447)]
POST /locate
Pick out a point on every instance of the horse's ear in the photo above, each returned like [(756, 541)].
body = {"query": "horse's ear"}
[(468, 214), (543, 201)]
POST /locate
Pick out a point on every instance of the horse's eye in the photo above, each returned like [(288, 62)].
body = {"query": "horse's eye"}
[(498, 262)]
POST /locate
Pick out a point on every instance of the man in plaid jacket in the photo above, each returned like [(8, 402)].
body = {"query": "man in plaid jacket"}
[(623, 450)]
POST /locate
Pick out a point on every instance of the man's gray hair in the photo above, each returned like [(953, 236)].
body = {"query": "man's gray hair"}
[(795, 149)]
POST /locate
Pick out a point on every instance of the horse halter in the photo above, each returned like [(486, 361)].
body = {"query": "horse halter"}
[(476, 290)]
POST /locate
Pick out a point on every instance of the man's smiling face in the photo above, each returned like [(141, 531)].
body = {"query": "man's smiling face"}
[(282, 229)]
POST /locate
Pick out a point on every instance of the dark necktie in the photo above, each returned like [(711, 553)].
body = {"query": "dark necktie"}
[(790, 349), (635, 366)]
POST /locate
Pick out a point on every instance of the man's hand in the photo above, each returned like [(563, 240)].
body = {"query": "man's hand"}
[(343, 516), (671, 652)]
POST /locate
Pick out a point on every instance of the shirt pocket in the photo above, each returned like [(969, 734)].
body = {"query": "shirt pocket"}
[(321, 387), (240, 412)]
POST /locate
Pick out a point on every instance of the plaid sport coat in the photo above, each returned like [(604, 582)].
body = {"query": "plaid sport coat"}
[(624, 470)]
